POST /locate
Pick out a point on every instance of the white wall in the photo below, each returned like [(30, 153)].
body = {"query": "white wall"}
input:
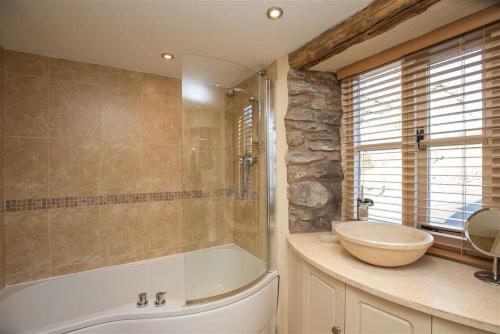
[(281, 228)]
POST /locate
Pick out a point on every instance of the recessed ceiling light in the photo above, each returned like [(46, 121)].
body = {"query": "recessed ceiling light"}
[(274, 13), (167, 56)]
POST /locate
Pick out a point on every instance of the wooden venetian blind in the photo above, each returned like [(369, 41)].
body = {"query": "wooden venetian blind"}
[(244, 147), (421, 135)]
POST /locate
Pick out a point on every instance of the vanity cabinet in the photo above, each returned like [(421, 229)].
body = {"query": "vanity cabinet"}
[(321, 304), (367, 314), (442, 326)]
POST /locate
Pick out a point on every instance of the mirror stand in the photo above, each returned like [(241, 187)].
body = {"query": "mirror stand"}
[(492, 277)]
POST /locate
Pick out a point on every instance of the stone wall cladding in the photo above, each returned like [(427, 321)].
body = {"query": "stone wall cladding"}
[(314, 167)]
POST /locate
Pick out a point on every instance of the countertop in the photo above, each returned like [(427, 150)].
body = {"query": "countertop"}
[(432, 285)]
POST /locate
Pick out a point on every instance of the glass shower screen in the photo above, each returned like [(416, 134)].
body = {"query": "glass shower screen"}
[(224, 177)]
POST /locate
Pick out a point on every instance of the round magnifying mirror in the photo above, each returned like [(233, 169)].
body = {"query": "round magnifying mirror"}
[(483, 231)]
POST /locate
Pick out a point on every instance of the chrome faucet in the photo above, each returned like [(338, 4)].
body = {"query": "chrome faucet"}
[(363, 201), (142, 300), (160, 299), (246, 161)]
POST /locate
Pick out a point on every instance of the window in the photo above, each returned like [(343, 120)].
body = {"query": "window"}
[(421, 136), (454, 128), (377, 141)]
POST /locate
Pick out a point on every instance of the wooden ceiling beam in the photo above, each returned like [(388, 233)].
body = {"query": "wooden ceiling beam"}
[(376, 18)]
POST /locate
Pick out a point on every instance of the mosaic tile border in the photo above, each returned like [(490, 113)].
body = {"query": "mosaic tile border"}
[(31, 204)]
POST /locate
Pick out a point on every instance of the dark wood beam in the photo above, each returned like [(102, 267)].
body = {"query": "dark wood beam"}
[(376, 18)]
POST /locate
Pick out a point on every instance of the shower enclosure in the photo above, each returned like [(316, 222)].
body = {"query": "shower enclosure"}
[(227, 129), (221, 281)]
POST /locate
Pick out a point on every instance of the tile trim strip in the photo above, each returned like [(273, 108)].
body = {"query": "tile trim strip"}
[(31, 204)]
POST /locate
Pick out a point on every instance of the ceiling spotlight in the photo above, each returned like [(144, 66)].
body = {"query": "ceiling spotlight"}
[(167, 56), (274, 13)]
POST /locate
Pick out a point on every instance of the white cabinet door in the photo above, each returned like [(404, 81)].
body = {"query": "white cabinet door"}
[(367, 314), (441, 326), (322, 302)]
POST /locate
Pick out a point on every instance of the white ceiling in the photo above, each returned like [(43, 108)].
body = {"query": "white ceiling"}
[(438, 15), (133, 34)]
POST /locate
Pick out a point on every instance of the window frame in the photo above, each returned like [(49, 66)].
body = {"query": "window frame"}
[(445, 239), (360, 148), (422, 169)]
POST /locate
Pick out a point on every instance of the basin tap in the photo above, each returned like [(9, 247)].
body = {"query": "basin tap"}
[(363, 201)]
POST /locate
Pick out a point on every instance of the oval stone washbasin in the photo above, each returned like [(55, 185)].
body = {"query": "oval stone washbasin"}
[(383, 244)]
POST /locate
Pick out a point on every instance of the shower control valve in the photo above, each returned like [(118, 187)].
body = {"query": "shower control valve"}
[(160, 299), (142, 300)]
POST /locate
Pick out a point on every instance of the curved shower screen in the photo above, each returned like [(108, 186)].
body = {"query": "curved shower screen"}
[(223, 177)]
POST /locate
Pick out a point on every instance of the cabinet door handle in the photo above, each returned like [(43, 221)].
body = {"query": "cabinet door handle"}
[(336, 330)]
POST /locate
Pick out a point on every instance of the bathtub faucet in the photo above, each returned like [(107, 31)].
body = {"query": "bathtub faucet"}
[(142, 300), (160, 299)]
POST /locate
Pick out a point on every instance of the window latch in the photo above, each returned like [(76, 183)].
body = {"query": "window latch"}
[(419, 137)]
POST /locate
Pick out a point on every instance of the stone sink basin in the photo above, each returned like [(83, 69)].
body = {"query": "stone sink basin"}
[(383, 244)]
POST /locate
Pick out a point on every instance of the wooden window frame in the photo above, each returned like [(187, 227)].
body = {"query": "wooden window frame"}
[(414, 163)]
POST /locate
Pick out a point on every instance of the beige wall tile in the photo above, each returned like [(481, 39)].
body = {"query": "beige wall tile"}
[(26, 63), (163, 233), (203, 167), (122, 231), (103, 131), (63, 69), (161, 118), (120, 115), (120, 167), (74, 110), (74, 240), (27, 246), (2, 252), (121, 79), (202, 135), (223, 218), (205, 118), (25, 105), (161, 85), (73, 167), (246, 226), (198, 220), (162, 167), (26, 168)]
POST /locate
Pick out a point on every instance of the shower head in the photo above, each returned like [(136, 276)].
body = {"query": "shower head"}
[(233, 91)]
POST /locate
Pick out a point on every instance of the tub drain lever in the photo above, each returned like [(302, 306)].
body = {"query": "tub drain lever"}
[(160, 299), (142, 300)]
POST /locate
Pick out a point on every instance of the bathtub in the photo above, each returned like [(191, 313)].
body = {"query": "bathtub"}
[(104, 300)]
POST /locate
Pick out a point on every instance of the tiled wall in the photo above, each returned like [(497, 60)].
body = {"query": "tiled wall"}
[(102, 167), (207, 152), (248, 229), (92, 166), (250, 215)]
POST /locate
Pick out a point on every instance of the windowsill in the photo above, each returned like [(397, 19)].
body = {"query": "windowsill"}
[(462, 258)]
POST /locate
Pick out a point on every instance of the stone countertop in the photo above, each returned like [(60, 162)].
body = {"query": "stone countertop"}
[(432, 285)]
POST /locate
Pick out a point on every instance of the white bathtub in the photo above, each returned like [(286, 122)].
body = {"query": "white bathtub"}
[(103, 300)]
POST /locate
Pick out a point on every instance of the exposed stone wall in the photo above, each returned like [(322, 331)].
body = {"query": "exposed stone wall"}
[(313, 159)]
